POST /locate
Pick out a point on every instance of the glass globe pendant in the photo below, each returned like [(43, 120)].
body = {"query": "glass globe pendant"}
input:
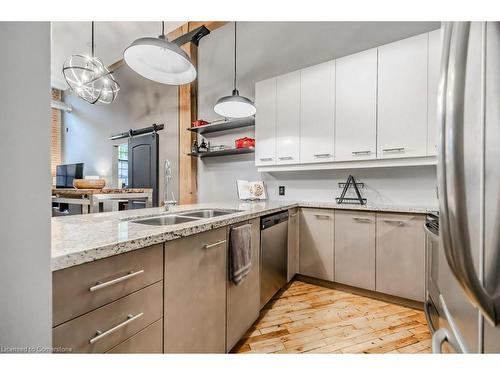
[(89, 78)]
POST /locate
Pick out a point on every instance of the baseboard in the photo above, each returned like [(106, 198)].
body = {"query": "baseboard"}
[(361, 292)]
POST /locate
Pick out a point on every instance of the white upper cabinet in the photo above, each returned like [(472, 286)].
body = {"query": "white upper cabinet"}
[(432, 86), (265, 121), (288, 118), (317, 113), (356, 106), (402, 98)]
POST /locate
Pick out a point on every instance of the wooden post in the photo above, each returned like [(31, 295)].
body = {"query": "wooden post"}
[(188, 111)]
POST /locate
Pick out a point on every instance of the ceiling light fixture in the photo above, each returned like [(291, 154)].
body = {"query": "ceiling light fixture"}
[(89, 78), (234, 105), (159, 60)]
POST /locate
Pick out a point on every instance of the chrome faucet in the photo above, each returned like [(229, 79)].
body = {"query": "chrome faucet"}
[(168, 176)]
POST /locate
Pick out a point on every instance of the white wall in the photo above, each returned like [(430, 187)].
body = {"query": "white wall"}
[(267, 49), (140, 103), (25, 277)]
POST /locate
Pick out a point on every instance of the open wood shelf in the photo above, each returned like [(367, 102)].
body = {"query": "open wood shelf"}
[(231, 151), (224, 125)]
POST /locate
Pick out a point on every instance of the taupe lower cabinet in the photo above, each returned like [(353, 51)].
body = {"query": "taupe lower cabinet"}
[(113, 304), (355, 248), (293, 243), (243, 301), (195, 293), (400, 255), (316, 243)]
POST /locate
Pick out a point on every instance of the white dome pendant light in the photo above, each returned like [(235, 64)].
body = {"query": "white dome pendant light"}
[(159, 60), (234, 105), (89, 78)]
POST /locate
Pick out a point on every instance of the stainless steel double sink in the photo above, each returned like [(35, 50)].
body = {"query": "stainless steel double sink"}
[(183, 217)]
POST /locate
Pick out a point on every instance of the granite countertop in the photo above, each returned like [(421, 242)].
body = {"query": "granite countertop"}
[(80, 239)]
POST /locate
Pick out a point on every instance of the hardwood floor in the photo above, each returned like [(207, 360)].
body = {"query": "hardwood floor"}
[(307, 318)]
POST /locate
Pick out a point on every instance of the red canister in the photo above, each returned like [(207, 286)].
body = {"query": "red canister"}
[(245, 142)]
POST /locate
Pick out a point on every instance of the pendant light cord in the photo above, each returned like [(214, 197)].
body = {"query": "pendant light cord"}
[(93, 39), (234, 55)]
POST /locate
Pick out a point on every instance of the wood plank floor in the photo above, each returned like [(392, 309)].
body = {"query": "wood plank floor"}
[(307, 318)]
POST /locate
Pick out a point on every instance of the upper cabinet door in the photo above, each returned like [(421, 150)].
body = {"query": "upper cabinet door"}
[(265, 122), (402, 98), (356, 106), (317, 113), (432, 84), (288, 118)]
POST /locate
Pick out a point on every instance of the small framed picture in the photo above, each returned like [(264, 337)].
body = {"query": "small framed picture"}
[(251, 190)]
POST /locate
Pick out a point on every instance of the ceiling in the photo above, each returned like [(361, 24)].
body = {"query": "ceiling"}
[(111, 38)]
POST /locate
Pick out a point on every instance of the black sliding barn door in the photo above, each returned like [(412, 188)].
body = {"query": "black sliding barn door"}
[(143, 164)]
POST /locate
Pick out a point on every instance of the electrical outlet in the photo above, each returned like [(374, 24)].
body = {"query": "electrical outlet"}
[(281, 190)]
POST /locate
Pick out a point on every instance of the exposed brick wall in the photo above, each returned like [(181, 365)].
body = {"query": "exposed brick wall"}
[(56, 134)]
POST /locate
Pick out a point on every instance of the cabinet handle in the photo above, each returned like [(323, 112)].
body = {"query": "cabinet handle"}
[(208, 246), (322, 155), (99, 335), (293, 215), (101, 285), (285, 158), (395, 149), (326, 217), (362, 219), (367, 152), (266, 159), (398, 222)]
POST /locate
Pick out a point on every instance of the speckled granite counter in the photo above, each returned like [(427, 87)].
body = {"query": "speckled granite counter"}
[(83, 238)]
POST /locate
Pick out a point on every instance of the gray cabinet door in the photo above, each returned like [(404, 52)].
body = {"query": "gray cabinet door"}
[(400, 252), (293, 243), (195, 293), (243, 301), (316, 243), (355, 248)]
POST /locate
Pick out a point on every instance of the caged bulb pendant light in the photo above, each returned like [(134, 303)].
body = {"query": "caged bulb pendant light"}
[(160, 60), (234, 105), (89, 78)]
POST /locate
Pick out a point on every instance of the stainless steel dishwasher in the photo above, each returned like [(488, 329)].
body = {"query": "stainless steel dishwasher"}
[(273, 254)]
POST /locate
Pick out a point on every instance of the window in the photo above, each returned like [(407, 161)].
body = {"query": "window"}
[(123, 165)]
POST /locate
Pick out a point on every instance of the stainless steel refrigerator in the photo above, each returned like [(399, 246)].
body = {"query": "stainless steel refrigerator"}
[(468, 266)]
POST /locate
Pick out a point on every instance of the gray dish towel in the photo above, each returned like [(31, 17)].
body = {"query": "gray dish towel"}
[(240, 253)]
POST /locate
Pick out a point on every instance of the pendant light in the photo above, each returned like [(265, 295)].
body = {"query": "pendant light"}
[(89, 78), (159, 60), (234, 105)]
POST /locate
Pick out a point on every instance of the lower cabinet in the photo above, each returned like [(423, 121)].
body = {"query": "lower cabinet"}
[(316, 243), (293, 243), (195, 293), (243, 300), (400, 255), (355, 248)]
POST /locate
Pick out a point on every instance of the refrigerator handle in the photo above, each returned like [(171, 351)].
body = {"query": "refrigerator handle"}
[(438, 339), (451, 178)]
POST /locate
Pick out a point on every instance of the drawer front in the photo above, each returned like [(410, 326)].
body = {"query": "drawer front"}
[(148, 341), (118, 276), (116, 321)]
